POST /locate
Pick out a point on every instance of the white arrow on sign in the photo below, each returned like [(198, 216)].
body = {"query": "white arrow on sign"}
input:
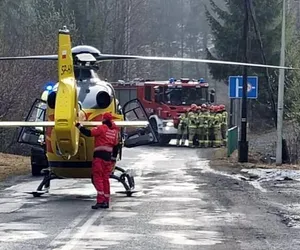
[(249, 87)]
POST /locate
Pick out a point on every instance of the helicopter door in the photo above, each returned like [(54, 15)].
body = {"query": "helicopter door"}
[(134, 111), (34, 135)]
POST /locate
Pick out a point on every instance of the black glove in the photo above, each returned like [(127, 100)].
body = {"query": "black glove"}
[(78, 125)]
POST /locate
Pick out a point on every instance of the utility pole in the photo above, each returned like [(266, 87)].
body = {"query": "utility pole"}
[(243, 143), (281, 91), (182, 38)]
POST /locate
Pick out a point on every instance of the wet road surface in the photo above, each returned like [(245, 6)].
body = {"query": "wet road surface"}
[(182, 204)]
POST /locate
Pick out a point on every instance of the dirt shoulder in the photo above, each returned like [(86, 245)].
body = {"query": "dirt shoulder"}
[(220, 161), (11, 165)]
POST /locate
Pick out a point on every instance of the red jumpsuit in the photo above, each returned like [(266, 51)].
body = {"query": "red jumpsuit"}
[(105, 139), (114, 159)]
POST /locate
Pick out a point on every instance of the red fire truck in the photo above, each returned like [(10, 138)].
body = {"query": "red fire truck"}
[(165, 101)]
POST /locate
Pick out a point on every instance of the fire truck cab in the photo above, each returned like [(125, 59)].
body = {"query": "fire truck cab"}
[(165, 101)]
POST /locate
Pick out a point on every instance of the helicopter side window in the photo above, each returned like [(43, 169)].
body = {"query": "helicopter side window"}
[(40, 116), (119, 110), (34, 135), (118, 107)]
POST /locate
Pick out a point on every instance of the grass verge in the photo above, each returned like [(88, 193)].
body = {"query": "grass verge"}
[(11, 165)]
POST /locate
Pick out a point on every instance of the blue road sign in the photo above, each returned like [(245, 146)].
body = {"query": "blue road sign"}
[(236, 87)]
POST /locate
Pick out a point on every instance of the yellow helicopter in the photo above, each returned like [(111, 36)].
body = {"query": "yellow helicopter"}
[(81, 96)]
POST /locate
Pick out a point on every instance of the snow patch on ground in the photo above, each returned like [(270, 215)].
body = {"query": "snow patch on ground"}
[(273, 174), (207, 169)]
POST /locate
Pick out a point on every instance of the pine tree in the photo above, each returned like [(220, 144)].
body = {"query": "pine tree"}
[(227, 30)]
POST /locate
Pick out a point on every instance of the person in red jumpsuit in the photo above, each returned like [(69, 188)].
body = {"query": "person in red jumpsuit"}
[(106, 139)]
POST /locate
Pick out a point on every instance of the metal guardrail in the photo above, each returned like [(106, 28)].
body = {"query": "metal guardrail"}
[(232, 140)]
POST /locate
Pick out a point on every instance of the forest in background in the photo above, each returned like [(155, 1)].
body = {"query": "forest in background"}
[(176, 28)]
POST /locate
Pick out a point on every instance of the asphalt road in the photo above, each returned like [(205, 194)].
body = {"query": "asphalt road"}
[(182, 204)]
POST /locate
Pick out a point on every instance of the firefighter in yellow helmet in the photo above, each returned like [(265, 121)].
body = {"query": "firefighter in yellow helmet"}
[(182, 128), (204, 129), (211, 121), (192, 126), (199, 124)]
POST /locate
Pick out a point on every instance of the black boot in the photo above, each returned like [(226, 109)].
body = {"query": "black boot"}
[(101, 205)]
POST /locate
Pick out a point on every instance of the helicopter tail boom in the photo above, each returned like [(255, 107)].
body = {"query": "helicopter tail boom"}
[(66, 105)]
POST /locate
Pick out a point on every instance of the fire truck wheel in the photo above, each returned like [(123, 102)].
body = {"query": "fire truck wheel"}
[(154, 126), (163, 140)]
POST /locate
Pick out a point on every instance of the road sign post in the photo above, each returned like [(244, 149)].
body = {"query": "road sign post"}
[(243, 87)]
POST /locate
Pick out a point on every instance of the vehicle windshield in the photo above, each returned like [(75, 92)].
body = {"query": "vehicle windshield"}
[(186, 96)]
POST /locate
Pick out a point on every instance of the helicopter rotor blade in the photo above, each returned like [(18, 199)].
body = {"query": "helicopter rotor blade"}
[(13, 124), (108, 57), (40, 57), (135, 124)]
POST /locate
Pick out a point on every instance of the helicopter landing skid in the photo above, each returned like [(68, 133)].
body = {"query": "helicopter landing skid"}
[(44, 186), (37, 193), (126, 179), (128, 193)]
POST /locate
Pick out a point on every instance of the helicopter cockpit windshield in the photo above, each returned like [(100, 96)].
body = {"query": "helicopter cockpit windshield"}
[(83, 74)]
